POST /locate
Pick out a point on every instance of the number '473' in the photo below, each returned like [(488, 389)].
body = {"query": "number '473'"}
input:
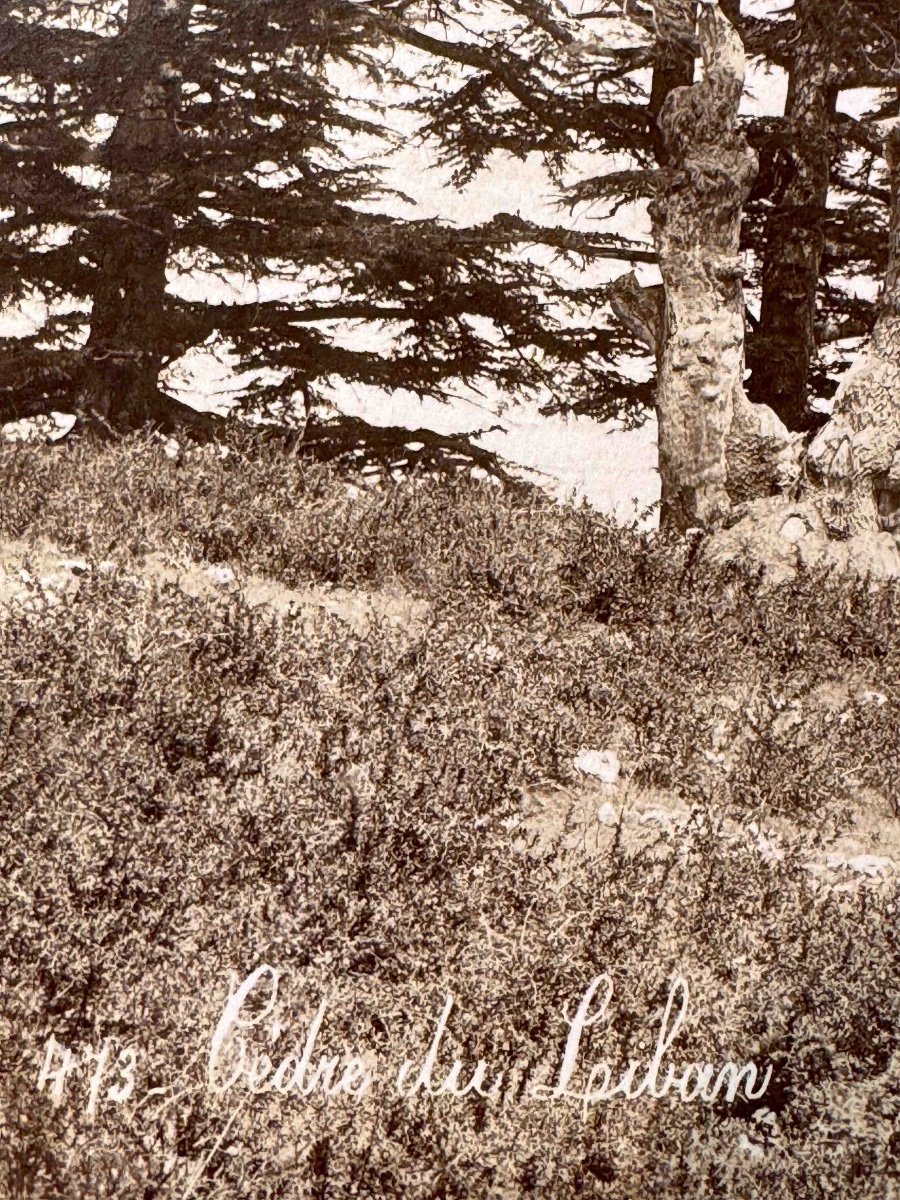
[(95, 1069)]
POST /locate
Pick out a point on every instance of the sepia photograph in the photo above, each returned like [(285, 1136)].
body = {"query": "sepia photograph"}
[(449, 599)]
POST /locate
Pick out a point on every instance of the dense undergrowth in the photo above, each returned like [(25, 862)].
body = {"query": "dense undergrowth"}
[(191, 788)]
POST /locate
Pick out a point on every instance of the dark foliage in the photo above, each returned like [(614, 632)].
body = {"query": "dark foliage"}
[(236, 150)]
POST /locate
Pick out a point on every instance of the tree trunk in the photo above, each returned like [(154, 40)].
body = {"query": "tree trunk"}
[(785, 343), (847, 513), (127, 335), (696, 222), (854, 461)]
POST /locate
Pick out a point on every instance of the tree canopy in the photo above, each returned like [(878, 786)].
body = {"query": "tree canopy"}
[(155, 139), (143, 141)]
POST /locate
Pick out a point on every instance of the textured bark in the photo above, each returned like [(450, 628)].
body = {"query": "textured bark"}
[(846, 515), (126, 338), (674, 65), (785, 343), (854, 461), (696, 222), (715, 445), (642, 310), (675, 56)]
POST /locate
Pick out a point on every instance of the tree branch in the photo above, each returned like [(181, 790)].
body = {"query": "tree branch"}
[(533, 97)]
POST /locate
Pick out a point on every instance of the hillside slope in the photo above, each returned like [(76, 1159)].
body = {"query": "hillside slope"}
[(259, 714)]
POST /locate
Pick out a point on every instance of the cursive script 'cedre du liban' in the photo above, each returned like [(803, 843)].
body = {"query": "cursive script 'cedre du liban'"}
[(304, 1072)]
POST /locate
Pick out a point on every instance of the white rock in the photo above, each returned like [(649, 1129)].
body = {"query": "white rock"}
[(603, 764), (607, 815), (793, 530), (750, 1148), (221, 576), (872, 865), (714, 758), (78, 566), (835, 860)]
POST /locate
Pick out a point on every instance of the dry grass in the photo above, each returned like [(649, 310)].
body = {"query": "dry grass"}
[(192, 785)]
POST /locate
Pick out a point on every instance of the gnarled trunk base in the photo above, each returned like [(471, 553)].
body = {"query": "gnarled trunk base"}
[(850, 513), (782, 535)]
